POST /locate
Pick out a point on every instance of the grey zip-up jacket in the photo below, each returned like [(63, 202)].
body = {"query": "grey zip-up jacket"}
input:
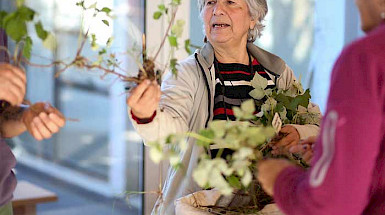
[(187, 105)]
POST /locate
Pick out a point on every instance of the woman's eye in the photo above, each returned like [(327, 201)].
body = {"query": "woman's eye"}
[(230, 2), (210, 2)]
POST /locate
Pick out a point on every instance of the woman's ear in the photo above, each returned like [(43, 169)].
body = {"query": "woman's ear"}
[(253, 23)]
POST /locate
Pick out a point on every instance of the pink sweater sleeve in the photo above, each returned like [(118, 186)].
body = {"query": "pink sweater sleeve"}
[(340, 179)]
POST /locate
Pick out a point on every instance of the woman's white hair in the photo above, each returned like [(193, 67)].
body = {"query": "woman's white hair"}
[(257, 9)]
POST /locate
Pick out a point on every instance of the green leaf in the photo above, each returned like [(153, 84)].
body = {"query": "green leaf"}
[(173, 64), (20, 3), (234, 182), (162, 7), (238, 113), (16, 29), (106, 10), (25, 13), (157, 15), (106, 22), (257, 93), (259, 81), (81, 4), (177, 29), (109, 41), (27, 48), (176, 2), (102, 52), (187, 46), (93, 5), (219, 127), (41, 33), (205, 133), (173, 41), (302, 100), (248, 106), (3, 14), (50, 42)]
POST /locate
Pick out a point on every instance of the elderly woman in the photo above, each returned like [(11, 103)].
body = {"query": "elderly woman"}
[(348, 172), (209, 83)]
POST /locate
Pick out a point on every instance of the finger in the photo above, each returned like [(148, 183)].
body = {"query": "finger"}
[(50, 124), (42, 128), (16, 71), (288, 146), (291, 137), (60, 121), (299, 149), (35, 132), (10, 97), (310, 140), (137, 93), (307, 156), (150, 95), (48, 107)]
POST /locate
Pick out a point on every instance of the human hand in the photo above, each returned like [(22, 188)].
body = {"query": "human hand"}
[(12, 84), (42, 120), (290, 138), (144, 99), (305, 149), (268, 171)]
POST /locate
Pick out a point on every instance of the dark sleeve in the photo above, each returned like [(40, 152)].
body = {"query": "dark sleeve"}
[(3, 43)]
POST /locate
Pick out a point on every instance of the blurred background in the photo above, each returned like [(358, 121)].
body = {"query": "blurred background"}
[(92, 163)]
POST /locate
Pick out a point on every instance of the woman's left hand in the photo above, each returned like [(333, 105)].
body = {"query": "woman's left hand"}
[(268, 172), (291, 138)]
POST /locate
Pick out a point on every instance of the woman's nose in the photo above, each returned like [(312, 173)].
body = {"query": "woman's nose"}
[(218, 9)]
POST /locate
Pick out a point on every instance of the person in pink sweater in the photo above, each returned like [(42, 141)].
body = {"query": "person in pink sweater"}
[(348, 169)]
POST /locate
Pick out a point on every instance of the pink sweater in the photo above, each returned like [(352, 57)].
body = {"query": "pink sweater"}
[(348, 172)]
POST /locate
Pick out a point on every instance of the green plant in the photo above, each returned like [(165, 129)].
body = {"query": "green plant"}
[(248, 137)]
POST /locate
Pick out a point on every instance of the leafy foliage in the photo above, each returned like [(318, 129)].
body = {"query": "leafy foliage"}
[(15, 25), (247, 137)]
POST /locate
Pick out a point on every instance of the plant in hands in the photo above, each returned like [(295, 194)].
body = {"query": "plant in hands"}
[(249, 137)]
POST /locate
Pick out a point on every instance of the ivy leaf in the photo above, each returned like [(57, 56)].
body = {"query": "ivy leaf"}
[(205, 133), (177, 29), (41, 33), (106, 10), (93, 5), (234, 182), (248, 106), (173, 64), (3, 14), (106, 22), (187, 46), (109, 41), (81, 4), (157, 15), (162, 7), (27, 48), (259, 81), (16, 29), (25, 13), (175, 2), (302, 100), (20, 3), (50, 42), (257, 93), (246, 179), (219, 127), (173, 41)]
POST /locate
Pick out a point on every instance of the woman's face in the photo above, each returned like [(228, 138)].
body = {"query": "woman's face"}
[(370, 13), (226, 21)]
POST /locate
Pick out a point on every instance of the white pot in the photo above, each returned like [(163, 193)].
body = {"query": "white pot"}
[(188, 205)]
